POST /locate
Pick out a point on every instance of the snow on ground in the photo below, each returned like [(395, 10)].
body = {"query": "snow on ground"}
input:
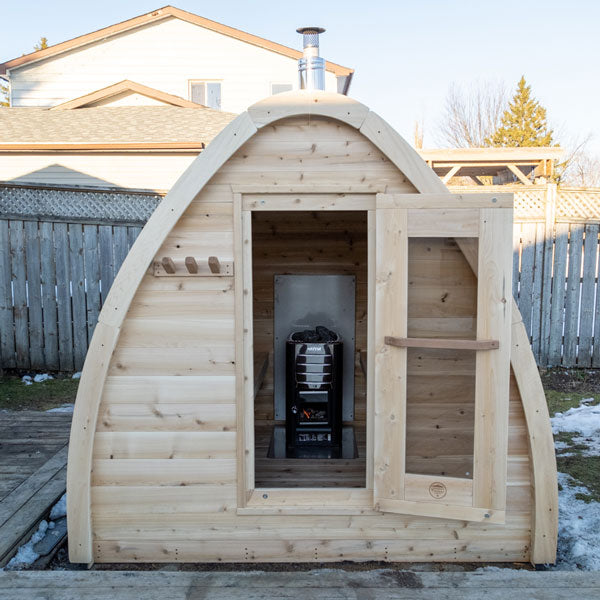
[(64, 408), (578, 527), (583, 420), (76, 375), (59, 509), (28, 379), (26, 555)]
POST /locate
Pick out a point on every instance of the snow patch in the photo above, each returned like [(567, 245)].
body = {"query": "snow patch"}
[(59, 509), (76, 375), (26, 555), (584, 420), (578, 526), (64, 408), (39, 378)]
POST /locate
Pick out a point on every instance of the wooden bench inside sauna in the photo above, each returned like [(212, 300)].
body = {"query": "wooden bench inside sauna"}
[(311, 353)]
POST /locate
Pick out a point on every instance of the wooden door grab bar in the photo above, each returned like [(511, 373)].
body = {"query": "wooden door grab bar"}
[(442, 343)]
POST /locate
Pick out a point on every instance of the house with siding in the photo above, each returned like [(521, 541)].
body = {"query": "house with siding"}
[(132, 104)]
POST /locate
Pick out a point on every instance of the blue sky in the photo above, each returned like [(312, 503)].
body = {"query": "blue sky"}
[(406, 54)]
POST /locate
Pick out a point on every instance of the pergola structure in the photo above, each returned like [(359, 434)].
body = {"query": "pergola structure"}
[(528, 165)]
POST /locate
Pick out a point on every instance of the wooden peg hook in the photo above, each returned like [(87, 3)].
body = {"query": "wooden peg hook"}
[(214, 265), (191, 264), (168, 265)]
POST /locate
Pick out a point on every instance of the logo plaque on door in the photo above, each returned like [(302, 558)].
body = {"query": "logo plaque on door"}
[(437, 490)]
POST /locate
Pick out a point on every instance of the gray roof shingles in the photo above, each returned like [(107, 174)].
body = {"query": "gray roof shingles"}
[(111, 125)]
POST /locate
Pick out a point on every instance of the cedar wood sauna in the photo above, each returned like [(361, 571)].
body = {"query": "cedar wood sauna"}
[(169, 459)]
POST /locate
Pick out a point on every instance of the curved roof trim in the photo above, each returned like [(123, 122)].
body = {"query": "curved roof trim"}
[(158, 15), (158, 227), (126, 86)]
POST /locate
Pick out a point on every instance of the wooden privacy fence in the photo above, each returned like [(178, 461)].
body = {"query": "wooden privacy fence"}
[(555, 272), (60, 249)]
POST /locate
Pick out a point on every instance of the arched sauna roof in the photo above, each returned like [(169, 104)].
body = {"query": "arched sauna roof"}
[(185, 190)]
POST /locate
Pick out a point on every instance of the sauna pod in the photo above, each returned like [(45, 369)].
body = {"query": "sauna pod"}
[(173, 446)]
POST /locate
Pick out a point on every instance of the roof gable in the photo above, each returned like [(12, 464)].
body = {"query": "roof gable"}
[(158, 15), (121, 87)]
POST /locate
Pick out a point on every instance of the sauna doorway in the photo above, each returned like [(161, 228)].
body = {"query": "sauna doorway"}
[(328, 251)]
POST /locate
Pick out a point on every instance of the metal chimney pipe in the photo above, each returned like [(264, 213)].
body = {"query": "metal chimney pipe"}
[(311, 67)]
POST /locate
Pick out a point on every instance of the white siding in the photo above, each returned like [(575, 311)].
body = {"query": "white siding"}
[(157, 171), (163, 55)]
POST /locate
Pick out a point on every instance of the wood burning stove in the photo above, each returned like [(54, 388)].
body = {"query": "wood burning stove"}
[(314, 367)]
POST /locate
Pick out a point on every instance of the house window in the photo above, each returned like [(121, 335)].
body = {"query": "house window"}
[(278, 88), (207, 93)]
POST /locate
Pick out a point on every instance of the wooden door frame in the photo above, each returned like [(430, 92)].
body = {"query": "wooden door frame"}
[(318, 501), (486, 217)]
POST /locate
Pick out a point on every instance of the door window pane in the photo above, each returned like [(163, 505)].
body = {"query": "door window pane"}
[(198, 93)]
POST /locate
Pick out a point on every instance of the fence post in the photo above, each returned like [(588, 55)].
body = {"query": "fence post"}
[(549, 223)]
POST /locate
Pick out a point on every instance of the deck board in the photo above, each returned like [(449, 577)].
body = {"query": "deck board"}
[(33, 459), (319, 584)]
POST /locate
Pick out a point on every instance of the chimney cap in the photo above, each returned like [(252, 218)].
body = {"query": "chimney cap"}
[(305, 30)]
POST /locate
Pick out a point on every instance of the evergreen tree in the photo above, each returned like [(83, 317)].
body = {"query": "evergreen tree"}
[(42, 44), (4, 94), (523, 123)]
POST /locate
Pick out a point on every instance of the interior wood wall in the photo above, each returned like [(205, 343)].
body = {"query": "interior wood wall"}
[(310, 243), (164, 469)]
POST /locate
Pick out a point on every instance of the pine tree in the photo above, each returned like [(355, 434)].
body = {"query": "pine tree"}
[(523, 123), (4, 95), (42, 44)]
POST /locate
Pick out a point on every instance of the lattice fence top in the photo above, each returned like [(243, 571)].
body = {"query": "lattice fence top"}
[(47, 203), (530, 204), (578, 204)]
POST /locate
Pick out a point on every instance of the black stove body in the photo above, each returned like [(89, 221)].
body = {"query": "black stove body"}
[(314, 363)]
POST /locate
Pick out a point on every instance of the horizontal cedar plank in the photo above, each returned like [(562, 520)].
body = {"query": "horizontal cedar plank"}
[(135, 500), (311, 550), (213, 306), (176, 333), (192, 528), (373, 178), (215, 360), (349, 525), (153, 285), (193, 389), (166, 417), (198, 244), (160, 471), (164, 444)]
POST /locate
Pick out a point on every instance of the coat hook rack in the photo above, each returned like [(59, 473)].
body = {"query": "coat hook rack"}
[(192, 266)]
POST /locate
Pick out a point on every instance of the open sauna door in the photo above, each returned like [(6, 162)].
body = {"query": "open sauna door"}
[(441, 229)]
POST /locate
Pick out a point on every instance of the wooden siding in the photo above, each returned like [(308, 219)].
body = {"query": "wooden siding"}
[(138, 170), (171, 381), (164, 55)]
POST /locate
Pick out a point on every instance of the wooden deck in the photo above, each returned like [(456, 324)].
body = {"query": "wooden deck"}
[(328, 584), (33, 459)]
